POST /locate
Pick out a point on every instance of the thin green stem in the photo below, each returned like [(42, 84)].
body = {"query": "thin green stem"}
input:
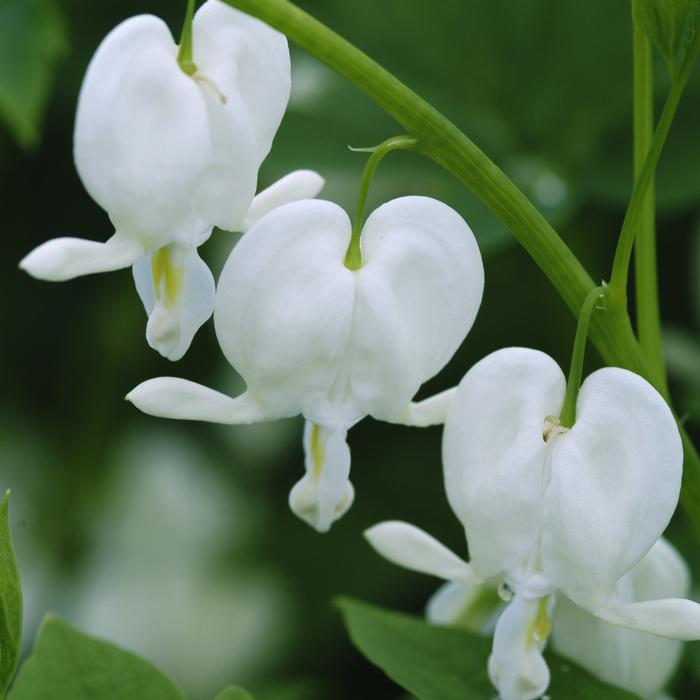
[(568, 411), (623, 253), (184, 54), (353, 257), (646, 276), (441, 140)]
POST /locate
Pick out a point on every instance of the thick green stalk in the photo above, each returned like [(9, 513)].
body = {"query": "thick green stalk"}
[(617, 294), (353, 257), (646, 282), (441, 140)]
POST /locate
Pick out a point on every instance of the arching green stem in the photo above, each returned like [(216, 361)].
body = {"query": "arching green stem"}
[(617, 293), (573, 383), (184, 54), (353, 257)]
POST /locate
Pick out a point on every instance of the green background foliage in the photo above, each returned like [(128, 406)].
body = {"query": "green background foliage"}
[(175, 540)]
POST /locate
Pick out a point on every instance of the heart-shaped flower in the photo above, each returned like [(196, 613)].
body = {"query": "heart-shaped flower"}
[(310, 336), (548, 509), (170, 155)]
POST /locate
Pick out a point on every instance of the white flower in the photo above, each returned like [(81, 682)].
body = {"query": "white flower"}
[(311, 336), (639, 662), (548, 509), (170, 155)]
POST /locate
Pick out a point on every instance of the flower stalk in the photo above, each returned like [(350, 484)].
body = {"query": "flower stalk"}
[(353, 258), (184, 54)]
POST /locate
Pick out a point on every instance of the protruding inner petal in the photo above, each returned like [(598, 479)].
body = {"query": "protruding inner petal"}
[(170, 397), (65, 258), (300, 184), (516, 666), (430, 411), (177, 290), (324, 493), (674, 618), (412, 548)]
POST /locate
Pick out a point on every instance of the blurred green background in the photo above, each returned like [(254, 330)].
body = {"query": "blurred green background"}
[(175, 539)]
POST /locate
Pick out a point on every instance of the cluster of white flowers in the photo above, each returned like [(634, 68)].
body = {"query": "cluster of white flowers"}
[(564, 523)]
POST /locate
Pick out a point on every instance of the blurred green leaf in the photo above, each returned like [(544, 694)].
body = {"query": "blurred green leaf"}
[(234, 694), (10, 602), (665, 22), (442, 663), (68, 664), (32, 39)]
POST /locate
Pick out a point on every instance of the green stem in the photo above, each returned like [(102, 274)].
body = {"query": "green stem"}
[(184, 54), (353, 257), (568, 411), (617, 292), (441, 140), (646, 278)]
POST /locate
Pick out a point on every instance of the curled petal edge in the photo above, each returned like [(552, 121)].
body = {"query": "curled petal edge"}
[(299, 184), (673, 618), (63, 259), (171, 397), (430, 411), (412, 548)]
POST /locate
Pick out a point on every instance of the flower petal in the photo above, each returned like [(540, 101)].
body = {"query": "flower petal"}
[(141, 133), (284, 308), (65, 258), (249, 63), (300, 184), (475, 608), (430, 411), (324, 493), (639, 662), (170, 397), (615, 481), (411, 548), (516, 665), (182, 302), (494, 455), (418, 292)]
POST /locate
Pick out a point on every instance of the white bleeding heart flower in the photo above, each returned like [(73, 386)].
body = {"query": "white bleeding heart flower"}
[(551, 510), (640, 662), (170, 155), (310, 336)]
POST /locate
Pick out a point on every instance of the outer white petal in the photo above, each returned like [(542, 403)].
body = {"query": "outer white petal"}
[(170, 397), (300, 184), (418, 292), (615, 481), (324, 493), (494, 455), (284, 307), (249, 63), (475, 608), (410, 547), (141, 133), (516, 665), (64, 258), (430, 411), (183, 301), (639, 662)]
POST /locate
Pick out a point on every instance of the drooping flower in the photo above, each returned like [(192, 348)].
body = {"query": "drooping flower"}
[(549, 510), (639, 662), (170, 155), (312, 337)]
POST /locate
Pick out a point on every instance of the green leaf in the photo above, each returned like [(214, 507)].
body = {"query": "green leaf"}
[(68, 664), (441, 663), (234, 694), (32, 39), (665, 22), (10, 603)]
